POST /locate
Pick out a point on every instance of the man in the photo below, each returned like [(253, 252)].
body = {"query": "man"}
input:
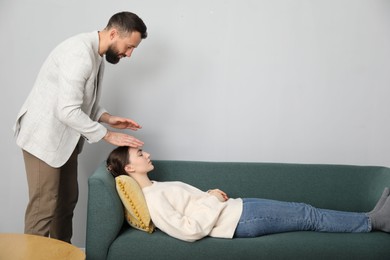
[(61, 112)]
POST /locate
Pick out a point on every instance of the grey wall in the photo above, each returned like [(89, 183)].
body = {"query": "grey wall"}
[(219, 80)]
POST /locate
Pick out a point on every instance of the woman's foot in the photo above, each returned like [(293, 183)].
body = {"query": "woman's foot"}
[(380, 219), (381, 200)]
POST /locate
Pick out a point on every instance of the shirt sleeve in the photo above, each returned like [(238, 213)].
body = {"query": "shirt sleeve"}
[(74, 70)]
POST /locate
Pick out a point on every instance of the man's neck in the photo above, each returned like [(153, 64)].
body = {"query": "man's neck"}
[(103, 46)]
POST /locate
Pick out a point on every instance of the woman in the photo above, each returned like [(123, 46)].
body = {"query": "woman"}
[(187, 213)]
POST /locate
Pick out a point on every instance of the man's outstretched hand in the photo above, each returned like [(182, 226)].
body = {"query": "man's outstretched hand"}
[(121, 139), (123, 123)]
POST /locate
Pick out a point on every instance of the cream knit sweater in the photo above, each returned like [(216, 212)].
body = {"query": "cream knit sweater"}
[(187, 213)]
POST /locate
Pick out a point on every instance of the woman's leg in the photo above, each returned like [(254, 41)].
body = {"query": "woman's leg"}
[(261, 217)]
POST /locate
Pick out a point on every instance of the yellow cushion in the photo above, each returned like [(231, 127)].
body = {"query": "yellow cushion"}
[(136, 210)]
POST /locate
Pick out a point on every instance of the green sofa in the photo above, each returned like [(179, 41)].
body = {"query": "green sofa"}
[(339, 187)]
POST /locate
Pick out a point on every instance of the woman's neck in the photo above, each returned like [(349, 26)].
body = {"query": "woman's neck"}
[(142, 179)]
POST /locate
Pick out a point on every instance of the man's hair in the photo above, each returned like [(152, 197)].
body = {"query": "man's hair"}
[(127, 22)]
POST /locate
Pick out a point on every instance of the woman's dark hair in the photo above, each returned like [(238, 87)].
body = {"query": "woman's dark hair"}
[(117, 160), (127, 22)]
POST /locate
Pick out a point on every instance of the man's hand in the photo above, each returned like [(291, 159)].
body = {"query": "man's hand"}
[(119, 122), (123, 123), (120, 139), (222, 196)]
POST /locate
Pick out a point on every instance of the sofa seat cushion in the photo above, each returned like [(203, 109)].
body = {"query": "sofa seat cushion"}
[(293, 245)]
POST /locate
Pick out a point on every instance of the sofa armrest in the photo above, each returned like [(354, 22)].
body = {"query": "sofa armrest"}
[(105, 214)]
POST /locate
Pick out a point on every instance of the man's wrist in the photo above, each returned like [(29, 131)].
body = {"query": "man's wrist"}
[(107, 135), (104, 118)]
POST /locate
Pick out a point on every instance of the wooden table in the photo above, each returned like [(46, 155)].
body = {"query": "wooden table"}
[(31, 247)]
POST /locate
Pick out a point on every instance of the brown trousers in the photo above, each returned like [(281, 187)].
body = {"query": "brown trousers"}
[(53, 194)]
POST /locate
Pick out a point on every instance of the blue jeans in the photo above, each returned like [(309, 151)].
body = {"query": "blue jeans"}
[(262, 216)]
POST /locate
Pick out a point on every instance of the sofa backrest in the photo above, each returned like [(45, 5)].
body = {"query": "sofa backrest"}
[(339, 187)]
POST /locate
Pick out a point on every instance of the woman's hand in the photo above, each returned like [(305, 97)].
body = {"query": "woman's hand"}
[(221, 196)]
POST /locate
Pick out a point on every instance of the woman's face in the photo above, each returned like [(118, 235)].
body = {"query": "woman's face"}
[(140, 160)]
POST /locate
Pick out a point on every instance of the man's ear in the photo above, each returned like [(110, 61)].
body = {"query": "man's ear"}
[(129, 168), (113, 33)]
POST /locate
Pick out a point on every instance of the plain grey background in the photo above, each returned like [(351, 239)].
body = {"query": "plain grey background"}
[(217, 80)]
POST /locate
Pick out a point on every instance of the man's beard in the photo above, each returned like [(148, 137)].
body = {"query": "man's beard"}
[(112, 55)]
